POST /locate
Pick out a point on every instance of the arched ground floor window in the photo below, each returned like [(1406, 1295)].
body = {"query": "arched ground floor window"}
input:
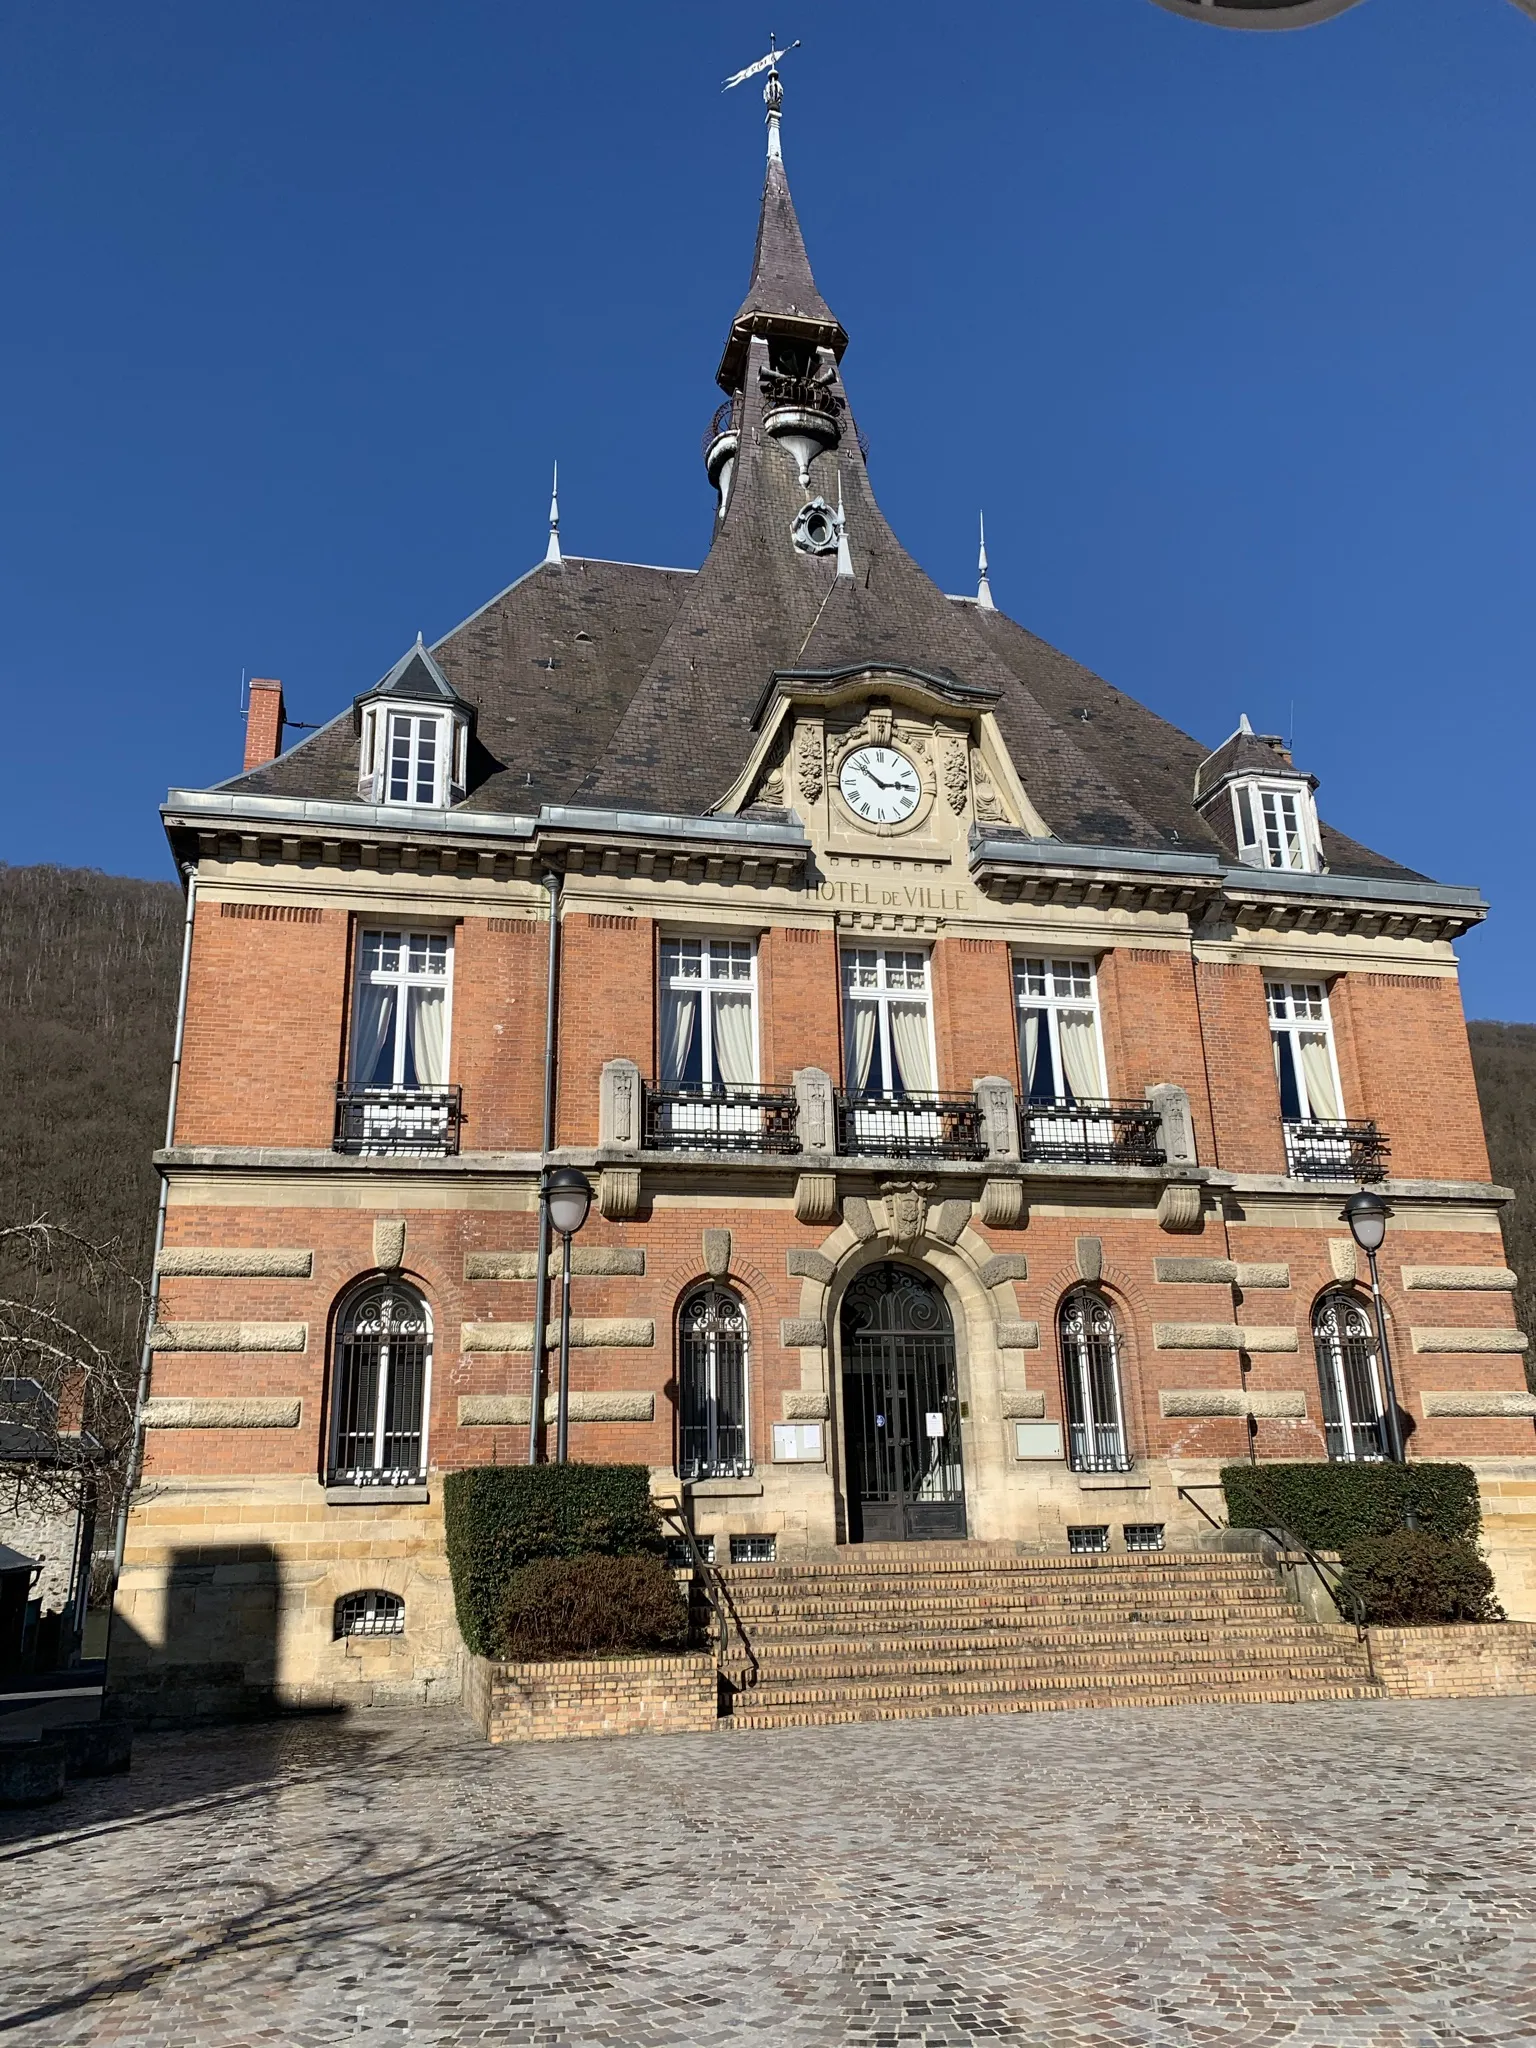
[(1090, 1372), (379, 1387), (712, 1428), (1349, 1376)]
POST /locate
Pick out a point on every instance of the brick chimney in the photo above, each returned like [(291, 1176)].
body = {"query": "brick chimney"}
[(264, 722)]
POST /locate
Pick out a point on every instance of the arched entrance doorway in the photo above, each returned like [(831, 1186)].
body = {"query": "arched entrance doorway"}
[(901, 1410)]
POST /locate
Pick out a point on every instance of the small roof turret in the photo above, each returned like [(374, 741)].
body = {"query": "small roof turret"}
[(1246, 753)]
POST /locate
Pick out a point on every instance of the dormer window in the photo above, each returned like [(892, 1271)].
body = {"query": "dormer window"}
[(1273, 812), (1276, 825), (414, 734)]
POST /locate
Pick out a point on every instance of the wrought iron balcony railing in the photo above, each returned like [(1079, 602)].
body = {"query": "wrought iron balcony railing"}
[(1091, 1133), (389, 1122), (910, 1126), (1097, 1447), (725, 1119), (1335, 1151)]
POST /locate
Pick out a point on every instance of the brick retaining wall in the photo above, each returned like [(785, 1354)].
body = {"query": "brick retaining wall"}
[(1490, 1661), (598, 1696)]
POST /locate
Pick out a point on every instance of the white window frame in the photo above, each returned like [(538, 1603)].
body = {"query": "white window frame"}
[(882, 995), (402, 980), (415, 726), (706, 984), (1260, 838), (1313, 1020), (1077, 966)]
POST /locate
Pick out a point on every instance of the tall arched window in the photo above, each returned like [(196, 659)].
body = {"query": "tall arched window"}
[(379, 1387), (713, 1441), (1090, 1371), (1349, 1376)]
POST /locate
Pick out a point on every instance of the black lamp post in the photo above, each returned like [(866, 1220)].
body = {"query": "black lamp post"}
[(1366, 1214), (569, 1194)]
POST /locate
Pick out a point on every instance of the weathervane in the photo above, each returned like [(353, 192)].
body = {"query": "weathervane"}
[(768, 63)]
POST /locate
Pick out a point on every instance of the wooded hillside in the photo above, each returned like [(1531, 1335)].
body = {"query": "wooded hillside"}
[(88, 966)]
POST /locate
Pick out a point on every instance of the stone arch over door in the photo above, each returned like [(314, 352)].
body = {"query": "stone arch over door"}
[(999, 1365)]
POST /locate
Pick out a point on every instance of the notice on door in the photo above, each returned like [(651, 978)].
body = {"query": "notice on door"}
[(935, 1420)]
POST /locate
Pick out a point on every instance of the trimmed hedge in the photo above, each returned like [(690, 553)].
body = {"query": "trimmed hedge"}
[(1330, 1506), (591, 1607), (1410, 1580), (499, 1518)]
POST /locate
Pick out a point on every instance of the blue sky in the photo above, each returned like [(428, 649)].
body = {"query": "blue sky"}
[(1230, 334)]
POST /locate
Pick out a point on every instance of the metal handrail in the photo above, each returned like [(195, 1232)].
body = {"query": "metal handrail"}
[(730, 1117), (419, 1122), (1318, 1148), (719, 1596), (1090, 1133), (1350, 1604), (909, 1126)]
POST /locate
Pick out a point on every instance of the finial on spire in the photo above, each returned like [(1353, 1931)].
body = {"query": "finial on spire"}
[(552, 553), (983, 587), (844, 556), (773, 90), (1244, 726)]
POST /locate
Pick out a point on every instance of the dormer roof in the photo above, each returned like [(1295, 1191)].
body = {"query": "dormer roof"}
[(416, 675), (1247, 753)]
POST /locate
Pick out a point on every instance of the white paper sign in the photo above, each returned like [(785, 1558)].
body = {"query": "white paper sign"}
[(935, 1422)]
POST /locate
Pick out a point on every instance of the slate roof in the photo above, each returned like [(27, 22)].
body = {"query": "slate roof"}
[(615, 684)]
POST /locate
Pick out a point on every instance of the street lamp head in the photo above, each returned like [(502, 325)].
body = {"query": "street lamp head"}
[(1366, 1214), (570, 1197)]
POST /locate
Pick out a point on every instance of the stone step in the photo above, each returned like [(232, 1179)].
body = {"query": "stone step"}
[(833, 1614), (897, 1685), (747, 1719), (966, 1641), (1316, 1659), (1142, 1568)]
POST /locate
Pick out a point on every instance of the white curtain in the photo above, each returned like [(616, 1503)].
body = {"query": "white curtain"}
[(909, 1038), (375, 1014), (1317, 1071), (679, 1018), (1029, 1048), (1080, 1055), (429, 1017), (861, 1045), (733, 1038)]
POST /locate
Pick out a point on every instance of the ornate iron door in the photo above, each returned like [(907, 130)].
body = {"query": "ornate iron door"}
[(901, 1411)]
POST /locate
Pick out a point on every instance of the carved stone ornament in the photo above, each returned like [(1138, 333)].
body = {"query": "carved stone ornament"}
[(810, 770), (880, 724), (389, 1242), (1003, 1206), (618, 1113), (989, 807), (618, 1193), (957, 779), (771, 790), (717, 1253), (1181, 1209), (816, 1198), (906, 1211), (815, 1120)]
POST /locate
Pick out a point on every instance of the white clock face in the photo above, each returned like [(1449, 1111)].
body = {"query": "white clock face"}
[(880, 785)]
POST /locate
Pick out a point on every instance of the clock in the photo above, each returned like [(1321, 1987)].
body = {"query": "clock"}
[(880, 785)]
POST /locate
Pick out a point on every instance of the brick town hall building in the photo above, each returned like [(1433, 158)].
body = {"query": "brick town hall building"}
[(971, 1067)]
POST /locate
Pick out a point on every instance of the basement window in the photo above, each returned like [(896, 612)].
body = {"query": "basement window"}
[(1144, 1535), (754, 1549), (680, 1558), (370, 1613), (1088, 1542)]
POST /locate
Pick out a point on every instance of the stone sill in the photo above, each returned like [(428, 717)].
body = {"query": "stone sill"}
[(376, 1496), (723, 1489), (1114, 1482)]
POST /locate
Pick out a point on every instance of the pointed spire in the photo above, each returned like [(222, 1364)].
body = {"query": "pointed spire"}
[(783, 292), (844, 556), (983, 587), (1244, 726), (552, 553)]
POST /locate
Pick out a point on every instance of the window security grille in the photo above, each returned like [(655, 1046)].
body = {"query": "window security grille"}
[(1090, 1369), (384, 1344), (754, 1549), (713, 1442), (369, 1614), (1144, 1535), (1349, 1380), (1088, 1542), (680, 1558)]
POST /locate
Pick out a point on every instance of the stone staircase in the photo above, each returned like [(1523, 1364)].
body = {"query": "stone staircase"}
[(895, 1631)]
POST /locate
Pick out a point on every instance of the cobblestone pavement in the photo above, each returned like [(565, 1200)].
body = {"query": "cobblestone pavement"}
[(1348, 1875)]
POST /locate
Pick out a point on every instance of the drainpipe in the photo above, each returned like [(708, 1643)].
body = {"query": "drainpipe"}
[(541, 1271), (135, 1456)]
